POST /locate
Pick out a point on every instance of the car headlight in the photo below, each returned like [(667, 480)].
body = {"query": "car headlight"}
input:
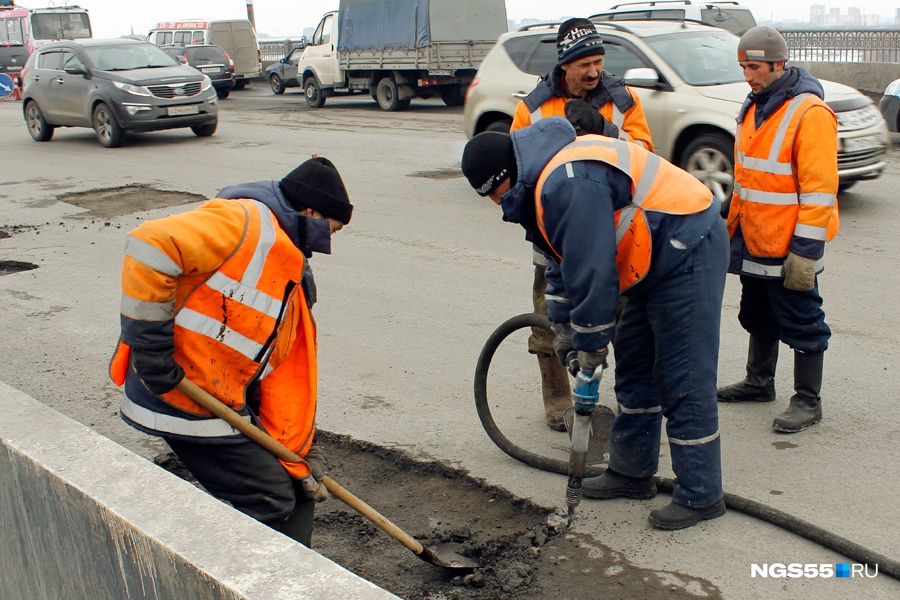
[(858, 119), (205, 84), (137, 90), (893, 89)]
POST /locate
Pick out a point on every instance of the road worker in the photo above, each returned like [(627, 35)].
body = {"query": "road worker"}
[(222, 295), (595, 101), (783, 210), (618, 219)]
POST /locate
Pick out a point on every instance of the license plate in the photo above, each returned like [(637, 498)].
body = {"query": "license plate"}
[(862, 143), (210, 69), (13, 69), (440, 72), (174, 111)]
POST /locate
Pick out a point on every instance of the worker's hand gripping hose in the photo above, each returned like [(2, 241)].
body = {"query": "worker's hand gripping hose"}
[(584, 399)]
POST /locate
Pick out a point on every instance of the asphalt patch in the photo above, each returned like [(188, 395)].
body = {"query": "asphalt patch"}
[(125, 200)]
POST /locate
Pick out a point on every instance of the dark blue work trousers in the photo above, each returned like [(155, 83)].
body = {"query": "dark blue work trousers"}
[(667, 349), (772, 312)]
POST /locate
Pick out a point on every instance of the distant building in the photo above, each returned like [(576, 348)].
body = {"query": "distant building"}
[(817, 15), (854, 17), (834, 17)]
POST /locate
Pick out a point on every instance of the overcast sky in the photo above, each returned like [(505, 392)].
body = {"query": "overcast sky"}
[(282, 18)]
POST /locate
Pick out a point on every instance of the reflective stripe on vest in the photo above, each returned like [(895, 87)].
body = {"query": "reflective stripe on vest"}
[(654, 182), (767, 189), (204, 428), (618, 117)]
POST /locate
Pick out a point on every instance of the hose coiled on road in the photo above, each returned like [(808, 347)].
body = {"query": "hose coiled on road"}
[(776, 517)]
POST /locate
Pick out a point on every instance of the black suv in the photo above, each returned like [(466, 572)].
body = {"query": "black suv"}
[(13, 56), (210, 60)]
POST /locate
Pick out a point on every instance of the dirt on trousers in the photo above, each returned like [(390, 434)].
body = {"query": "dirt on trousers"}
[(523, 550)]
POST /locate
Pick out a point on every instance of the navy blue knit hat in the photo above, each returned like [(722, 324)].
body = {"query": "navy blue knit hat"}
[(576, 39)]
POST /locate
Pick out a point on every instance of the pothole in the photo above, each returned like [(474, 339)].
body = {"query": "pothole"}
[(125, 200), (8, 267), (446, 173), (521, 552)]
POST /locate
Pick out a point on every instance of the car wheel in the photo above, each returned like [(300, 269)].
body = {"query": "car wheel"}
[(205, 130), (314, 97), (277, 84), (452, 95), (500, 126), (223, 93), (38, 127), (846, 185), (710, 158), (387, 95), (109, 133), (240, 84)]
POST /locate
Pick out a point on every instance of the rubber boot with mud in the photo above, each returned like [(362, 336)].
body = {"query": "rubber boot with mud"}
[(615, 485), (759, 385), (805, 408), (675, 516), (556, 391)]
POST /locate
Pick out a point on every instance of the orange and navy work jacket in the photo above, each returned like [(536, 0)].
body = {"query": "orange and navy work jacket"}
[(785, 186), (619, 105), (224, 280)]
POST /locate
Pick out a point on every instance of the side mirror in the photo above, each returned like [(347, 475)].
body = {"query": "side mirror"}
[(642, 77), (75, 70), (181, 60)]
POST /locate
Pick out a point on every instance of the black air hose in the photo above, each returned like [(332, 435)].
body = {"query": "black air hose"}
[(749, 507)]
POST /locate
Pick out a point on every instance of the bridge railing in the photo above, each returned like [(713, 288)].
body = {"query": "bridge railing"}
[(275, 50), (843, 45)]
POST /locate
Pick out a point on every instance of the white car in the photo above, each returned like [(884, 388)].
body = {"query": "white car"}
[(728, 15), (691, 88)]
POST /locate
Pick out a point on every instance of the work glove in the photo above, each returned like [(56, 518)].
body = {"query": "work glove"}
[(587, 119), (157, 368), (799, 272), (563, 348), (588, 361), (311, 485)]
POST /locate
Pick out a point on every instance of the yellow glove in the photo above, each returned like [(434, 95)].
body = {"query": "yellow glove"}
[(799, 272)]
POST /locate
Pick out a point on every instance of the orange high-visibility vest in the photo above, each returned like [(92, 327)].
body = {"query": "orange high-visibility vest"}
[(249, 320), (632, 124), (657, 185), (769, 202)]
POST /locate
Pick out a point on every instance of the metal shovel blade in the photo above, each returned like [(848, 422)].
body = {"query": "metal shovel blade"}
[(444, 555)]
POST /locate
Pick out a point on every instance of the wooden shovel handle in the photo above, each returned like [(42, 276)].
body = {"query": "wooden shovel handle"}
[(216, 407)]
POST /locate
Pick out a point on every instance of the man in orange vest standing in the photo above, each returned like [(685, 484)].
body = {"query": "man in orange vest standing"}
[(222, 295), (594, 101), (617, 219), (783, 210)]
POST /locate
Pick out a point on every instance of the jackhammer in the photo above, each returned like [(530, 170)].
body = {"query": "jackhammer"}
[(584, 399)]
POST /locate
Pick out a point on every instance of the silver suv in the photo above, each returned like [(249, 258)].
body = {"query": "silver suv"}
[(728, 15), (115, 87), (691, 88)]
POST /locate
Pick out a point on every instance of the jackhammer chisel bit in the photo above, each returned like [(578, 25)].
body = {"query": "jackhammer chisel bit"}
[(584, 398)]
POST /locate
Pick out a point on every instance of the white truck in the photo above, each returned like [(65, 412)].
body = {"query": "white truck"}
[(397, 50)]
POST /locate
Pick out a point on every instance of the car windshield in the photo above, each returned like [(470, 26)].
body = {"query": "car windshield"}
[(132, 56), (700, 57)]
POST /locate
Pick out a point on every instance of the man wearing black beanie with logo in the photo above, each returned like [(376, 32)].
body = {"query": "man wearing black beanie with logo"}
[(594, 101), (222, 295)]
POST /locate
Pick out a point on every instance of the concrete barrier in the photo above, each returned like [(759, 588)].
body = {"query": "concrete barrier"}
[(82, 517), (869, 78)]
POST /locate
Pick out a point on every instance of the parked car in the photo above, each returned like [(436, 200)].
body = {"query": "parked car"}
[(116, 87), (728, 15), (890, 105), (691, 88), (283, 74), (13, 56), (209, 59)]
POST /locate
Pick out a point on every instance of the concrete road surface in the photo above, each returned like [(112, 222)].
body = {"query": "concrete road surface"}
[(419, 279)]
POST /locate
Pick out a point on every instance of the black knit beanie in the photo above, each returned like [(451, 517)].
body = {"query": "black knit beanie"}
[(316, 184), (488, 160), (577, 38)]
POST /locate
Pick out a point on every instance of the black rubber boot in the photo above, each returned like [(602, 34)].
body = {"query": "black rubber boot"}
[(805, 408), (614, 485), (555, 390), (676, 516), (759, 385), (299, 526)]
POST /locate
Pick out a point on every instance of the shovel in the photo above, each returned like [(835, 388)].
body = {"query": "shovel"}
[(442, 555)]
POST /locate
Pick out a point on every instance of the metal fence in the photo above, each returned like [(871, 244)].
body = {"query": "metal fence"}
[(843, 45), (275, 50)]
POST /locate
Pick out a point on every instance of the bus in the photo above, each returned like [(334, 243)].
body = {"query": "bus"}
[(34, 27)]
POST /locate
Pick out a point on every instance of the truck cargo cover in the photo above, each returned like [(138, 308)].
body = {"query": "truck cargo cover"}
[(384, 25)]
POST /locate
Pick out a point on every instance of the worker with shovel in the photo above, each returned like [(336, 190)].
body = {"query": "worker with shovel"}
[(221, 295), (616, 218)]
